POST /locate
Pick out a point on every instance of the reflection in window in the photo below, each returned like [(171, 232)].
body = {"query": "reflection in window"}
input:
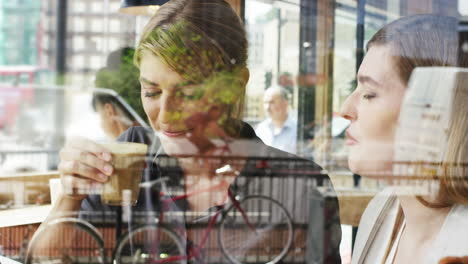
[(79, 25), (97, 6), (28, 36), (78, 6)]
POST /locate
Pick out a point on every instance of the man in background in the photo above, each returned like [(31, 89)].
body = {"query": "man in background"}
[(279, 130), (115, 119), (119, 75)]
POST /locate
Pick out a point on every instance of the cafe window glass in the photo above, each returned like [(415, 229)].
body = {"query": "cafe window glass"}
[(273, 35), (265, 177)]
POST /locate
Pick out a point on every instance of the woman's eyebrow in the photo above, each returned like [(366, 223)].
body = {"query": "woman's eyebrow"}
[(143, 80), (184, 83), (367, 79)]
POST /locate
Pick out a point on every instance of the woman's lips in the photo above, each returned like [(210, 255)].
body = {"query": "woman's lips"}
[(174, 133), (350, 140)]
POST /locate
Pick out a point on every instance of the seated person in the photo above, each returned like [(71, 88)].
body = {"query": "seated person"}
[(115, 119), (192, 58), (121, 76), (402, 224)]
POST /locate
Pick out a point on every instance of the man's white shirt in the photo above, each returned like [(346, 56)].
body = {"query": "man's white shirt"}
[(284, 138)]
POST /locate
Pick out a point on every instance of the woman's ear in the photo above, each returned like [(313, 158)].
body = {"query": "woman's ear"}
[(244, 75)]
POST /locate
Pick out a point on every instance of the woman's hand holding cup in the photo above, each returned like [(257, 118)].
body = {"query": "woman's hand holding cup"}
[(84, 165)]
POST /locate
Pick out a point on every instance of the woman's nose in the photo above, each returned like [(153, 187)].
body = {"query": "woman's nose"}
[(348, 109), (168, 112)]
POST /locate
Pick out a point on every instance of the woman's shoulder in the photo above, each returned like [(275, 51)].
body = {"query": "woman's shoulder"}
[(137, 134), (460, 210), (371, 221), (453, 236), (381, 201), (456, 223)]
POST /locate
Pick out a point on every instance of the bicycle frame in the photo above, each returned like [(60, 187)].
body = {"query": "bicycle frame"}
[(195, 251)]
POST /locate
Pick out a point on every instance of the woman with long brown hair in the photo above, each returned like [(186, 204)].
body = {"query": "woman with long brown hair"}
[(401, 224)]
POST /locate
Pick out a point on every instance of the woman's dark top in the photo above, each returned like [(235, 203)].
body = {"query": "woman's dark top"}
[(301, 186)]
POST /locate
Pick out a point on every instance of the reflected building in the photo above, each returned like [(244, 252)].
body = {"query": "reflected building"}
[(94, 29), (20, 47)]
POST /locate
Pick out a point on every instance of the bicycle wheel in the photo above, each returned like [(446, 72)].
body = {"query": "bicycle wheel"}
[(150, 243), (259, 230), (66, 240)]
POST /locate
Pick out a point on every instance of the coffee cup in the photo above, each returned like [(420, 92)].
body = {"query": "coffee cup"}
[(128, 160)]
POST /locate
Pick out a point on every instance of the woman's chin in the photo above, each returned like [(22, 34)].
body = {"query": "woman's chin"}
[(177, 146), (377, 169), (371, 160)]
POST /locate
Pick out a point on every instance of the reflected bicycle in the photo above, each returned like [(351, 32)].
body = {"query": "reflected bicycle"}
[(254, 229), (75, 241)]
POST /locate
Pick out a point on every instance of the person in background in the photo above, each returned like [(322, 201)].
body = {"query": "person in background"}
[(279, 130), (114, 118), (401, 225), (121, 76)]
